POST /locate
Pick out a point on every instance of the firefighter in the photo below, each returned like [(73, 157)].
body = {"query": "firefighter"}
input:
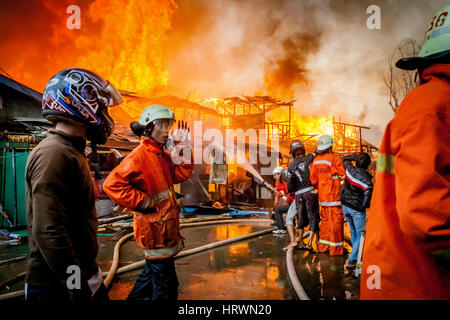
[(143, 182), (326, 170), (61, 215), (407, 245), (282, 200), (298, 182)]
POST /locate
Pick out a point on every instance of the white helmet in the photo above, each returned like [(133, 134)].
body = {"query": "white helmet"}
[(324, 142), (277, 170)]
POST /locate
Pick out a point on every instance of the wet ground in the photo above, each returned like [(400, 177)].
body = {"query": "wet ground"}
[(249, 269)]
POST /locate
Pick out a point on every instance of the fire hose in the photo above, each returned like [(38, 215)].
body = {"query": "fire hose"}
[(293, 274), (137, 265), (140, 264)]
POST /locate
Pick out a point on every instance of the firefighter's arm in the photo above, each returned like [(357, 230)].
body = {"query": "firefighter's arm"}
[(347, 160), (182, 168), (313, 175), (422, 179), (310, 158), (181, 161), (119, 187), (49, 178)]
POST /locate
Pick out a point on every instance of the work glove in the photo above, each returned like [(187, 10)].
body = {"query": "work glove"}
[(181, 152), (181, 133)]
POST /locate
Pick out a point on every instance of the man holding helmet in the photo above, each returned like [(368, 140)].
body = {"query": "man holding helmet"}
[(143, 182), (61, 215), (407, 246)]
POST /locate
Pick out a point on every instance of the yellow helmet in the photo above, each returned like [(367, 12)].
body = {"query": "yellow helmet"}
[(437, 45)]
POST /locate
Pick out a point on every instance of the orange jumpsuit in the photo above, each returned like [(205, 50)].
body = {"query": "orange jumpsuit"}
[(325, 171), (407, 245), (143, 182)]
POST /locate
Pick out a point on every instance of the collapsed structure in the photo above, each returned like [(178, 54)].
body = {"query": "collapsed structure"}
[(218, 184)]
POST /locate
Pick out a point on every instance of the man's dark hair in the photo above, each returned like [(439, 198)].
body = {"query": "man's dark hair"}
[(363, 161), (301, 151)]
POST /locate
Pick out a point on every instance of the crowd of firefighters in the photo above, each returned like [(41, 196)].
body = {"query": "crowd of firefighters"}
[(315, 179), (407, 247)]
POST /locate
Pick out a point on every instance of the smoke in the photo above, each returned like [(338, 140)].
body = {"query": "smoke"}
[(282, 73), (234, 48), (363, 115), (319, 53)]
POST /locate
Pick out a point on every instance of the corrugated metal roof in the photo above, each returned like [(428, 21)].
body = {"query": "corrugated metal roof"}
[(20, 88)]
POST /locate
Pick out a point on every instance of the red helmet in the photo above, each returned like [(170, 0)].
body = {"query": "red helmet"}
[(84, 96), (296, 144)]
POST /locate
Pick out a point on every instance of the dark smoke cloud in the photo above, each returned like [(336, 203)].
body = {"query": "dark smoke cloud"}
[(282, 73)]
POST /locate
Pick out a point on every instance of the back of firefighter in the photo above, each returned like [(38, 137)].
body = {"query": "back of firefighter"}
[(325, 172), (407, 246), (143, 182)]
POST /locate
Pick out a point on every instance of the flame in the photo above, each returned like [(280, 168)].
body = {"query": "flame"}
[(134, 59), (129, 51), (122, 41)]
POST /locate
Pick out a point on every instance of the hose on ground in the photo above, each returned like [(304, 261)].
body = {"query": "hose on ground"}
[(293, 274), (137, 265), (112, 271), (140, 264), (115, 263)]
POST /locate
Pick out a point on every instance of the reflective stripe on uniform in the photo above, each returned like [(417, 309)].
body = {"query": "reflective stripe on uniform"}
[(153, 201), (335, 176), (385, 163), (322, 162), (163, 252), (161, 196), (333, 244), (329, 204), (355, 181), (304, 190)]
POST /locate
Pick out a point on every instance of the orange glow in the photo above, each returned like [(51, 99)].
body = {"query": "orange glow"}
[(272, 273), (231, 231)]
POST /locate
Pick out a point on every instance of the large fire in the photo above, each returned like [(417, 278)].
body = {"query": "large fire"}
[(126, 42)]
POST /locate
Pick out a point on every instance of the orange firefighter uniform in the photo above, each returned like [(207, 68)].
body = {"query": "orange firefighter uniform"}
[(406, 250), (143, 182), (325, 171)]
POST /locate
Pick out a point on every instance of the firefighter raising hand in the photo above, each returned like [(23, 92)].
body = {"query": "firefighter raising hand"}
[(181, 139), (181, 133)]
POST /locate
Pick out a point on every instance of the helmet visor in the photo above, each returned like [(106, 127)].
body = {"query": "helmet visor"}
[(164, 124), (110, 96)]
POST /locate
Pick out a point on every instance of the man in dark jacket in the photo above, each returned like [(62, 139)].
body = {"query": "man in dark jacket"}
[(61, 215), (298, 182), (355, 198)]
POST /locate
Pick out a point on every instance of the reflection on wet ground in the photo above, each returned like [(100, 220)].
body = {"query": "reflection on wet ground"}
[(251, 269)]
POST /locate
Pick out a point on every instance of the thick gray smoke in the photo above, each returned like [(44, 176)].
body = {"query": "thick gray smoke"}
[(318, 52)]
